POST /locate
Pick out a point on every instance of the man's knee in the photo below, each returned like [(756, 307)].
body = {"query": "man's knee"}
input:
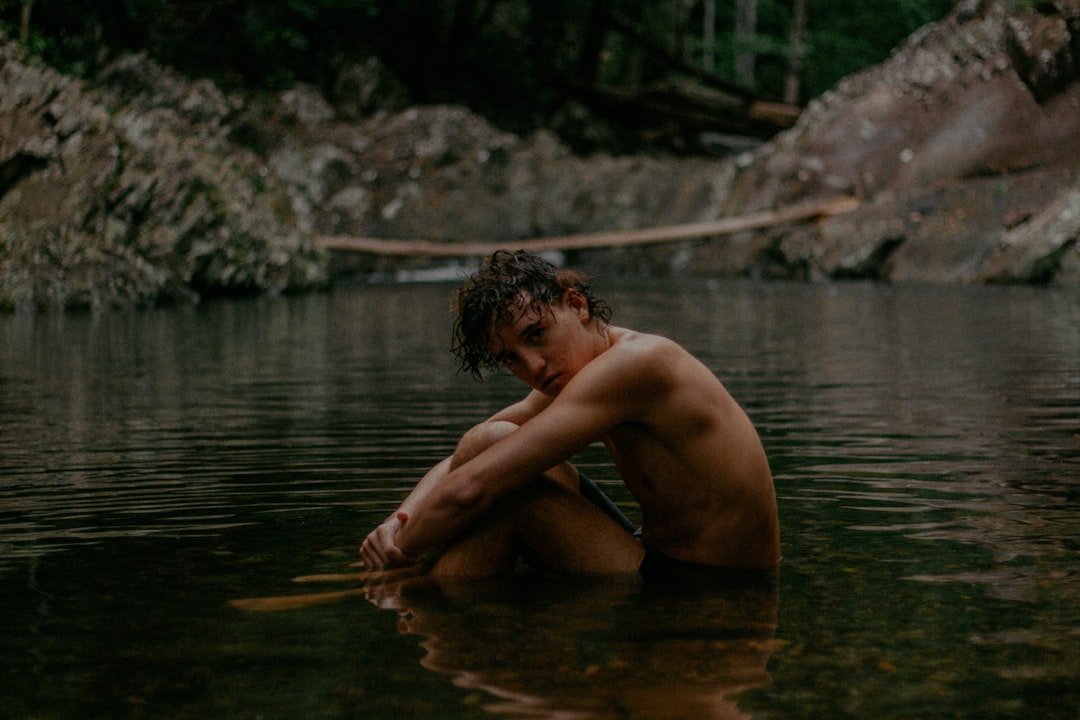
[(479, 438)]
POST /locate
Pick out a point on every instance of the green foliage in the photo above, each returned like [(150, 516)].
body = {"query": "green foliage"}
[(513, 60), (260, 43), (844, 40)]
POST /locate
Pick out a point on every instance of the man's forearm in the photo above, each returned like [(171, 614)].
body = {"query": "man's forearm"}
[(379, 549), (434, 517), (424, 486), (446, 506)]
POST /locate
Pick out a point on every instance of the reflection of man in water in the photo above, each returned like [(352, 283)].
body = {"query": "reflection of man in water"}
[(684, 448), (538, 647)]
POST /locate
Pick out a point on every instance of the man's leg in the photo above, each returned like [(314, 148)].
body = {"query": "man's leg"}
[(488, 548), (562, 530), (548, 521)]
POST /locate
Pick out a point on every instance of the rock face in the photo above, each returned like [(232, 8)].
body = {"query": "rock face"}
[(442, 173), (131, 193), (963, 149)]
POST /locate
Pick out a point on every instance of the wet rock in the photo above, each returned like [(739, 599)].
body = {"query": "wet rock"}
[(144, 85), (1044, 249), (443, 173), (963, 150), (943, 144), (304, 104), (1042, 47), (130, 193)]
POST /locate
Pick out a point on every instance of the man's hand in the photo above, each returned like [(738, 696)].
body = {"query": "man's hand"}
[(380, 551)]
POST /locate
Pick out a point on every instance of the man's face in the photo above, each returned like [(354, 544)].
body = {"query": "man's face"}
[(546, 349)]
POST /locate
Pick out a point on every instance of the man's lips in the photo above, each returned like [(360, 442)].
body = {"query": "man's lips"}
[(546, 382)]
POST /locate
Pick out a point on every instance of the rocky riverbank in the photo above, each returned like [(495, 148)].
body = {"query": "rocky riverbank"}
[(143, 187)]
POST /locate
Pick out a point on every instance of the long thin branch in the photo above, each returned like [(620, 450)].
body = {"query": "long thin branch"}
[(618, 238)]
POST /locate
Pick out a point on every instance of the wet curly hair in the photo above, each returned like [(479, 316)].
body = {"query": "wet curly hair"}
[(506, 283)]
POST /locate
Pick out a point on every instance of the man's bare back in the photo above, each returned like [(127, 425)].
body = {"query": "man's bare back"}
[(694, 463)]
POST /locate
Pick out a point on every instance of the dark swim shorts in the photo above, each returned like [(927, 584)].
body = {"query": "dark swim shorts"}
[(660, 570), (656, 565)]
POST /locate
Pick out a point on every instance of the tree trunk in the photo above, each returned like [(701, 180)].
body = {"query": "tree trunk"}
[(592, 44), (799, 212), (680, 46), (745, 29), (708, 37), (24, 21), (456, 26), (798, 48)]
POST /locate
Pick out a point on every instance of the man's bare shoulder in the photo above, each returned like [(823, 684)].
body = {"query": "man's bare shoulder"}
[(662, 375), (645, 352), (633, 373)]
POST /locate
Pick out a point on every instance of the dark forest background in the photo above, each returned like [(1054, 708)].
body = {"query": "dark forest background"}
[(513, 61)]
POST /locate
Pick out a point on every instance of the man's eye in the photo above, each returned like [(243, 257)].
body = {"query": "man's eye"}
[(509, 359)]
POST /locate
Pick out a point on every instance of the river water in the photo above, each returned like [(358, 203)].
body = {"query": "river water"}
[(158, 466)]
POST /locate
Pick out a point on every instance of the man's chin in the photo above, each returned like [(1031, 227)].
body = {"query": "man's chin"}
[(553, 387)]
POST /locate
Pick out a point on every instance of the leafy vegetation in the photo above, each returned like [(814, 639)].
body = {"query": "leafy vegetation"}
[(513, 60)]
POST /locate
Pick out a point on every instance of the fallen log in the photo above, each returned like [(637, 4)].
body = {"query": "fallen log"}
[(612, 239)]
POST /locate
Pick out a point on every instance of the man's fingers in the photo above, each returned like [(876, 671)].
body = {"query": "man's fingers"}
[(379, 550), (371, 556)]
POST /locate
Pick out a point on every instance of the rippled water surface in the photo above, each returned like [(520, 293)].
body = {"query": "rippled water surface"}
[(157, 466)]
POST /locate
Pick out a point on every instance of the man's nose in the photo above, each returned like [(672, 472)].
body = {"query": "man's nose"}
[(534, 363)]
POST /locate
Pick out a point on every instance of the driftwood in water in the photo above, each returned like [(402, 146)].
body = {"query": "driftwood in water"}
[(616, 238)]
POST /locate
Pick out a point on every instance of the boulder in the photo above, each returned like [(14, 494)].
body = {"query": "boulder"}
[(127, 191), (944, 143), (1043, 47), (1042, 249)]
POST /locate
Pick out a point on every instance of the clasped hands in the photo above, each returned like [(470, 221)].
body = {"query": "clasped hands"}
[(380, 550)]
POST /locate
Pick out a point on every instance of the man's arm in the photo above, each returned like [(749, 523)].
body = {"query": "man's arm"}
[(614, 388), (379, 548)]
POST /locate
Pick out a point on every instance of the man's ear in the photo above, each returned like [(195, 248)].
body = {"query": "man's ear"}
[(574, 300)]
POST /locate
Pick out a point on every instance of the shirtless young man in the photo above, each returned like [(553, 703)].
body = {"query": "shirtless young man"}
[(685, 449)]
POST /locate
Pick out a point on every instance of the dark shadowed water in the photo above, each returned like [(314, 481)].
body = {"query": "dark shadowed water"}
[(157, 465)]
